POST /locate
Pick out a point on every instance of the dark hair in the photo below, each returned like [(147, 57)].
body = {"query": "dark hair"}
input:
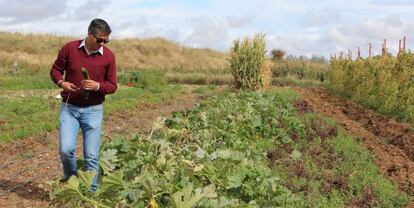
[(99, 25)]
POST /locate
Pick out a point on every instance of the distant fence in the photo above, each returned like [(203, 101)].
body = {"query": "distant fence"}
[(384, 50)]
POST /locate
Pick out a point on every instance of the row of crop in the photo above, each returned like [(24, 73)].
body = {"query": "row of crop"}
[(234, 150), (385, 84)]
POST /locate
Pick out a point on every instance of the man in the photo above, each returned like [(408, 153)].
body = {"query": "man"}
[(78, 111)]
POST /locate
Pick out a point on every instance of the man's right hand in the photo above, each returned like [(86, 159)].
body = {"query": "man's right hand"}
[(69, 87)]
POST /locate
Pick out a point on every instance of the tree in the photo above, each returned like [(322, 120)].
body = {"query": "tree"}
[(277, 54)]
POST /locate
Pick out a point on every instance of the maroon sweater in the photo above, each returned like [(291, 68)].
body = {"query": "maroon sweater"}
[(101, 68)]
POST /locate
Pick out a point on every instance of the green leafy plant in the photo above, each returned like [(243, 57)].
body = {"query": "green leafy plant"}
[(249, 149)]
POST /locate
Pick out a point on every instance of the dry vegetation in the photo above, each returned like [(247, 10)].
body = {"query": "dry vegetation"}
[(299, 71), (33, 54), (26, 58), (247, 62)]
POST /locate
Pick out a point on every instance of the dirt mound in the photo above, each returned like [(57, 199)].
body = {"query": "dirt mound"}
[(392, 132), (302, 106), (391, 142)]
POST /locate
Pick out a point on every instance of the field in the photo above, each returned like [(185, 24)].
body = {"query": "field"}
[(177, 134)]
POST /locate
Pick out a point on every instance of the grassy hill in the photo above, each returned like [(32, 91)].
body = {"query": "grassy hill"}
[(29, 57)]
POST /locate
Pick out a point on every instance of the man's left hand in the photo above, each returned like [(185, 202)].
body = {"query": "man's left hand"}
[(89, 84)]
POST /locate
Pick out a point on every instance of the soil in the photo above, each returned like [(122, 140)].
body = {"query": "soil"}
[(26, 163), (391, 142)]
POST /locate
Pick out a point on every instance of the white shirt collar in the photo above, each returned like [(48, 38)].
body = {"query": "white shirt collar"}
[(100, 50)]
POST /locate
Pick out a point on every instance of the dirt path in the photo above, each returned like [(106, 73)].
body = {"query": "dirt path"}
[(391, 142), (27, 162)]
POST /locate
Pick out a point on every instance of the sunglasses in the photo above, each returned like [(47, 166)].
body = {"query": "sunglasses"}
[(100, 40)]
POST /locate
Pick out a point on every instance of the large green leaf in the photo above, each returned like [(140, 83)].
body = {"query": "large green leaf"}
[(86, 177), (108, 160), (72, 185), (113, 181), (185, 198)]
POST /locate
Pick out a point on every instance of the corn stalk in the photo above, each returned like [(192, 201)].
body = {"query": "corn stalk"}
[(247, 60)]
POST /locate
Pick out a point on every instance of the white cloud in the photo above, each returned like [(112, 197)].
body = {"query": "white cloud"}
[(370, 30), (87, 10), (208, 32), (298, 26), (238, 21), (296, 43), (322, 17), (18, 11), (394, 2), (345, 35)]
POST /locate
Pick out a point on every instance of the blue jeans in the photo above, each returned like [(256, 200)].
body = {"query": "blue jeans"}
[(89, 119)]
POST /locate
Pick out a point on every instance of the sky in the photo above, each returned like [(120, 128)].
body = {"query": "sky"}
[(298, 27)]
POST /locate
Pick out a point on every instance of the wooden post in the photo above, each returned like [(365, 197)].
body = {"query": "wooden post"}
[(350, 54), (15, 67), (403, 44), (369, 50), (384, 48), (359, 53), (341, 55), (399, 47)]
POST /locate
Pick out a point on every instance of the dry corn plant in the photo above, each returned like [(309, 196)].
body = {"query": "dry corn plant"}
[(247, 62), (267, 75)]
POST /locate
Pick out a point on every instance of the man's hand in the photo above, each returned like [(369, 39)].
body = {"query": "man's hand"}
[(89, 84), (69, 87)]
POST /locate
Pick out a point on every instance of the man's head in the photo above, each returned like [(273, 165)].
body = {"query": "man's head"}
[(98, 33)]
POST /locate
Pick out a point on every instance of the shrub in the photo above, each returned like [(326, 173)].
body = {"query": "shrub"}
[(278, 54)]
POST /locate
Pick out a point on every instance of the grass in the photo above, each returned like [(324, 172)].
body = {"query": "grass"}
[(130, 97), (145, 79), (204, 89), (291, 80), (25, 60), (199, 78), (287, 93), (363, 175), (26, 82), (299, 72), (332, 169), (28, 116), (136, 53)]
